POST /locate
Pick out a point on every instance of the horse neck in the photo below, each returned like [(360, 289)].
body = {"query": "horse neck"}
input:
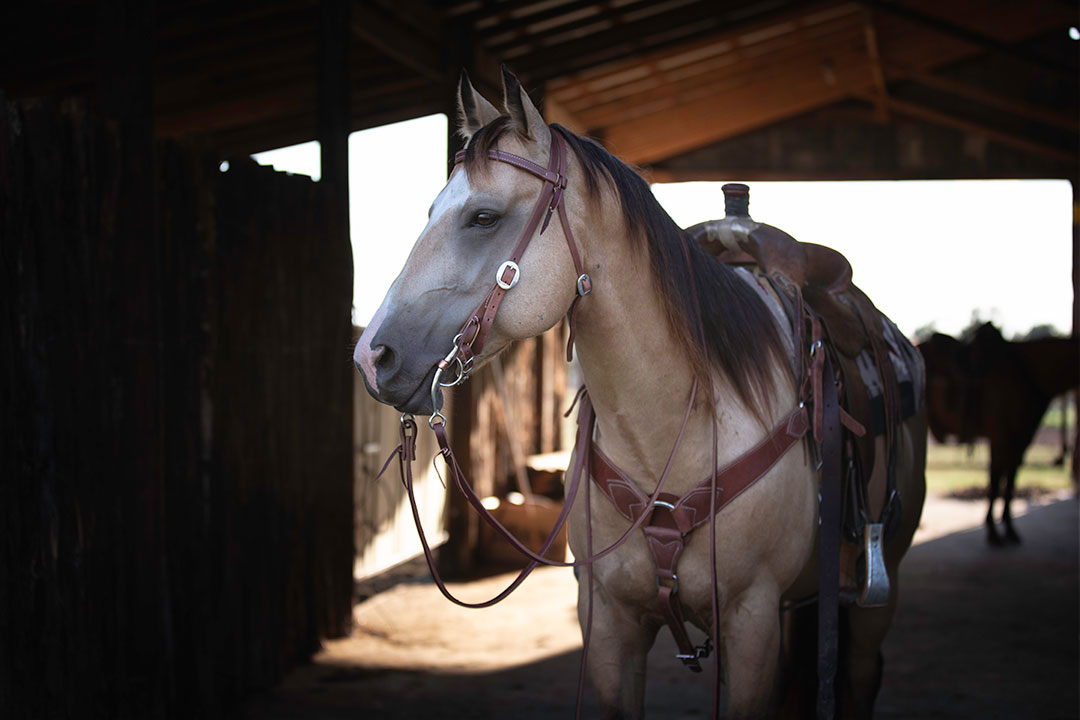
[(638, 378)]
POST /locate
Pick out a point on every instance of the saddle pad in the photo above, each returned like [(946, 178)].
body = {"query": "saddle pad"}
[(910, 376), (907, 363)]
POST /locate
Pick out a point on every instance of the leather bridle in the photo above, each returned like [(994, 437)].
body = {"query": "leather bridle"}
[(469, 342)]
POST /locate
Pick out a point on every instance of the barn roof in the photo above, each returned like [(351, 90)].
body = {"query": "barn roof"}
[(687, 88)]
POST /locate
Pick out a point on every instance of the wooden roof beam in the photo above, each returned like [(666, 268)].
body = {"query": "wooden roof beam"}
[(649, 34), (396, 42), (881, 98), (811, 59), (986, 42), (983, 97), (1005, 138), (712, 118)]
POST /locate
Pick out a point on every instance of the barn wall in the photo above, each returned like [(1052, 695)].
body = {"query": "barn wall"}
[(176, 486)]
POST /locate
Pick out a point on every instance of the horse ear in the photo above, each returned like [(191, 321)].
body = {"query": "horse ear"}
[(474, 111), (519, 106)]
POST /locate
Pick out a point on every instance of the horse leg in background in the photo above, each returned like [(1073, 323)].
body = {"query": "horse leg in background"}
[(996, 474), (799, 671), (618, 648), (750, 654), (1006, 512), (1063, 427), (861, 662)]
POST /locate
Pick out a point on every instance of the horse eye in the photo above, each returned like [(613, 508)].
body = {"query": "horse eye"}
[(484, 219)]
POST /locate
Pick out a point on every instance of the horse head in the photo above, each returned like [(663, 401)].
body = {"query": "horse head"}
[(483, 215)]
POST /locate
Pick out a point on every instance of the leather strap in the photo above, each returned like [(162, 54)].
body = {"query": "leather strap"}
[(829, 546), (692, 509), (671, 518), (474, 332)]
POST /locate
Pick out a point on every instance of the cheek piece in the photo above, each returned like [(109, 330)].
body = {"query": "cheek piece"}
[(469, 341)]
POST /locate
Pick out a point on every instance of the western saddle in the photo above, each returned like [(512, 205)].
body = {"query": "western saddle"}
[(813, 283)]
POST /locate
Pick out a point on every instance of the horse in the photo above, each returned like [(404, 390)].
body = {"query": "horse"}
[(667, 337), (991, 388)]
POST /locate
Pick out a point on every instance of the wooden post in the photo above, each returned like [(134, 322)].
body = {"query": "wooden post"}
[(1074, 468), (459, 554), (334, 112), (334, 537)]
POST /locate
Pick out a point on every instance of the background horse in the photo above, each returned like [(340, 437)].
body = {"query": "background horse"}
[(998, 390), (662, 318)]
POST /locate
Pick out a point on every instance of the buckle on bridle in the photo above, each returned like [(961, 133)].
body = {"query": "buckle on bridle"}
[(584, 285), (508, 265)]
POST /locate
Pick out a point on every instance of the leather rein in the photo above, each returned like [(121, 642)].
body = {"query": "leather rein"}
[(665, 531)]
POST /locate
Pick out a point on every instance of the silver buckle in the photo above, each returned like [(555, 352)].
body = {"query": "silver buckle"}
[(509, 264), (674, 583), (584, 285)]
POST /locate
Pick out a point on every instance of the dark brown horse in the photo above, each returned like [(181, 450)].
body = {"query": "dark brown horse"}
[(999, 390)]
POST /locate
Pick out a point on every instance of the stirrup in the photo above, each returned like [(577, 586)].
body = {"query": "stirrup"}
[(875, 584)]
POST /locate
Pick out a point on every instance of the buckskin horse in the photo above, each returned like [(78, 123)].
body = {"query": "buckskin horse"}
[(998, 390), (692, 371)]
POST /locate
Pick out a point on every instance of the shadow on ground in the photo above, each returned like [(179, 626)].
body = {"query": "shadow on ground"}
[(980, 633)]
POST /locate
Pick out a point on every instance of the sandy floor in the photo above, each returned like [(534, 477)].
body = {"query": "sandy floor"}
[(980, 633)]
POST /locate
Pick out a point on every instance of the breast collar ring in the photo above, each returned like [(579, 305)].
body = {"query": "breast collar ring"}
[(469, 342)]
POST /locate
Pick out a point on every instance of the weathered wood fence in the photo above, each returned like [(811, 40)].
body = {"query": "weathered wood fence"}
[(528, 408), (177, 470)]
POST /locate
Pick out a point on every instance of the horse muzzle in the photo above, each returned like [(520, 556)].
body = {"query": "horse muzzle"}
[(391, 380)]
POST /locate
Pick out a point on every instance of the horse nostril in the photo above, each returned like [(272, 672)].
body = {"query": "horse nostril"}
[(384, 359), (376, 353)]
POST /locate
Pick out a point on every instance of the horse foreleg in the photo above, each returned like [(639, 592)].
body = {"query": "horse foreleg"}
[(1006, 513), (862, 662), (751, 652), (618, 646)]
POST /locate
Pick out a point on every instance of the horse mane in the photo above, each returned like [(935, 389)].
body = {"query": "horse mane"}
[(700, 295)]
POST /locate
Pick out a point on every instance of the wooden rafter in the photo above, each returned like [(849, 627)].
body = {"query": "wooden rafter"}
[(990, 99), (949, 120), (371, 25), (983, 41), (708, 112), (631, 39), (726, 71), (881, 99)]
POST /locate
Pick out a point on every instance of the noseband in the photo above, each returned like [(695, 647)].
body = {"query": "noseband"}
[(469, 342)]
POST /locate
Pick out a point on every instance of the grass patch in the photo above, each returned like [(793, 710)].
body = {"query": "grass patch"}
[(962, 472), (1059, 412)]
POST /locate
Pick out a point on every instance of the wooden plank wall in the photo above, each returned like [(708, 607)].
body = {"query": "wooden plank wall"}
[(536, 395), (384, 526), (281, 386), (176, 487)]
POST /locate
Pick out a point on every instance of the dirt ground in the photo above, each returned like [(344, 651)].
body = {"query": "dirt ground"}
[(980, 633)]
